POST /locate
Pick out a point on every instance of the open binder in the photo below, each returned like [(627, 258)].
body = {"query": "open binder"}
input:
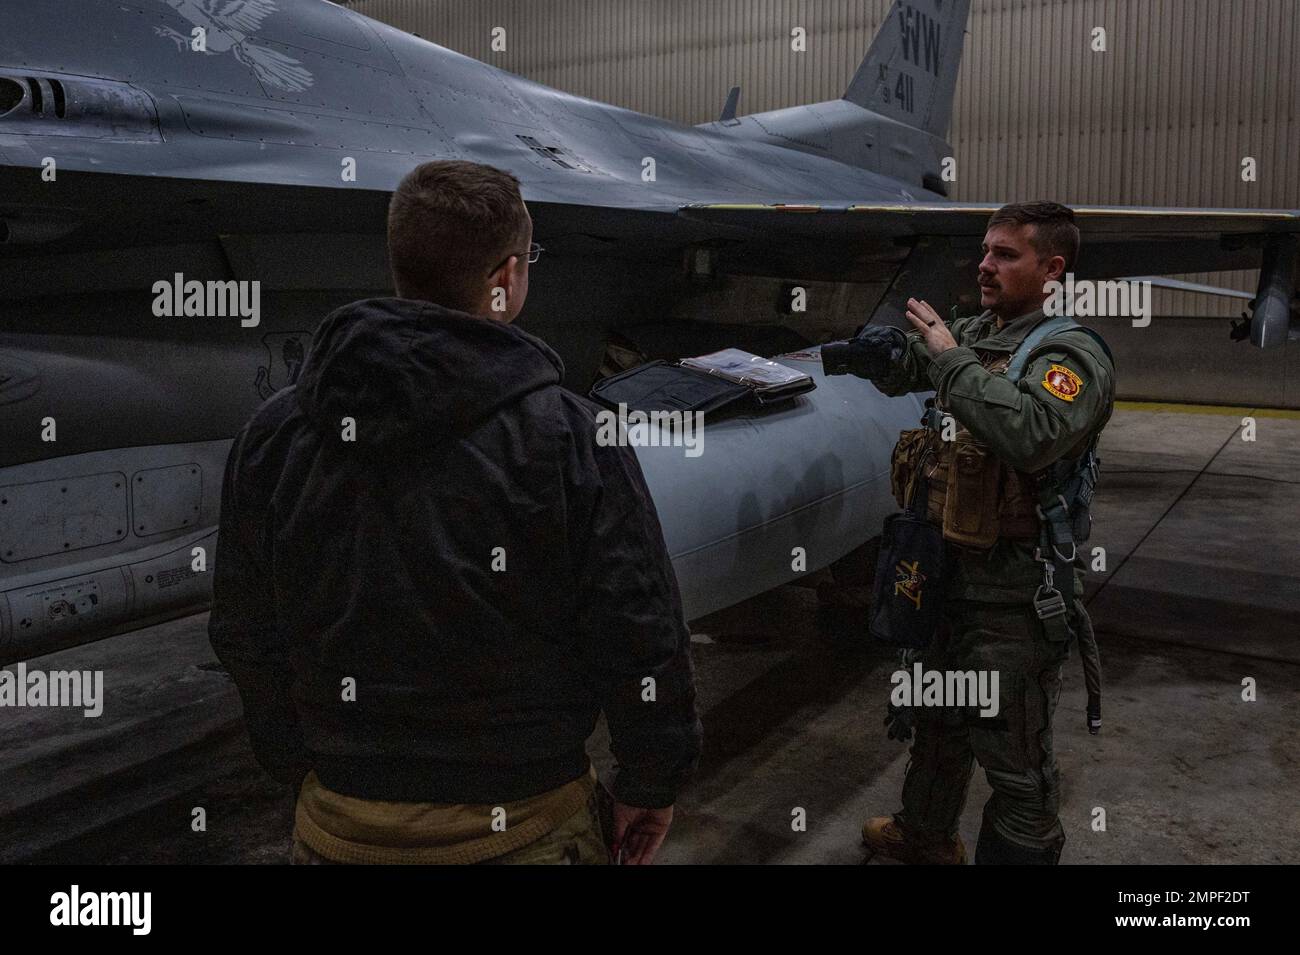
[(705, 383)]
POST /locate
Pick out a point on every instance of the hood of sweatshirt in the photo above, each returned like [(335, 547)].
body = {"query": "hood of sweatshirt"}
[(403, 368)]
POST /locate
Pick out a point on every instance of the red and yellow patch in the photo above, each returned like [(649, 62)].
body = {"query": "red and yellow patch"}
[(1062, 382)]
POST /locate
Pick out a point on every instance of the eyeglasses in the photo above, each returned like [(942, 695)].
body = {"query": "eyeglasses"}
[(534, 253)]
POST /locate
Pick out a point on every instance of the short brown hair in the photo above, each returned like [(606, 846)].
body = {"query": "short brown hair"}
[(1054, 230), (449, 223)]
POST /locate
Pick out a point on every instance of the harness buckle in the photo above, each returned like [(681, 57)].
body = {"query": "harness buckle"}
[(1048, 602)]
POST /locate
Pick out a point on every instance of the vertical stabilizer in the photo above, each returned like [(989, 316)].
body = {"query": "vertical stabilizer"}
[(910, 72)]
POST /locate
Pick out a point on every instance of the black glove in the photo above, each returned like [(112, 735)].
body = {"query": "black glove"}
[(869, 354), (900, 720)]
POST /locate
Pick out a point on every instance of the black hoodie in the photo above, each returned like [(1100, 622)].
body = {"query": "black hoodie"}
[(430, 578)]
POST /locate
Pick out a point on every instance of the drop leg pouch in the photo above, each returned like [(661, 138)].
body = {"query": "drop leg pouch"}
[(912, 572)]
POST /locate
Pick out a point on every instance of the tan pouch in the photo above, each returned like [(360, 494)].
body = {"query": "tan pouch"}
[(970, 507), (903, 465)]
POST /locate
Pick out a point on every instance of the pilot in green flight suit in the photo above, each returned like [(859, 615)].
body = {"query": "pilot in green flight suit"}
[(986, 474)]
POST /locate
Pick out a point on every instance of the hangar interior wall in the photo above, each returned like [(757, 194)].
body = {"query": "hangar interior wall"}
[(1184, 91)]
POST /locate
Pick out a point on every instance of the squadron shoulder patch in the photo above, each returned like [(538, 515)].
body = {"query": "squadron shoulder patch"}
[(1062, 382)]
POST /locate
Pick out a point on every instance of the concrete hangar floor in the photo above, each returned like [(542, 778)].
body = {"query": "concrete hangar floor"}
[(1201, 591)]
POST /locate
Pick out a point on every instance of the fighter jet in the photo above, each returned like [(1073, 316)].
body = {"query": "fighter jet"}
[(239, 155)]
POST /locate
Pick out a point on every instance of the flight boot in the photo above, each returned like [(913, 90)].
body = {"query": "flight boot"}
[(884, 837)]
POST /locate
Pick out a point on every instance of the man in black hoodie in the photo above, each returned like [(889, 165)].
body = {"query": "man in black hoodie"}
[(430, 577)]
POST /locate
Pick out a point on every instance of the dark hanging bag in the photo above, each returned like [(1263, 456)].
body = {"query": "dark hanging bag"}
[(912, 572)]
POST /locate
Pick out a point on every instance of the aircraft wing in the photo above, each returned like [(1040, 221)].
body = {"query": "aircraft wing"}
[(1178, 285), (1118, 241)]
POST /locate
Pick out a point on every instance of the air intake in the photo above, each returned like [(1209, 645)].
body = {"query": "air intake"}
[(11, 94), (80, 106)]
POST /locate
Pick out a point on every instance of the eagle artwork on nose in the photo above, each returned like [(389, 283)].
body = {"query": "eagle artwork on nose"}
[(227, 25)]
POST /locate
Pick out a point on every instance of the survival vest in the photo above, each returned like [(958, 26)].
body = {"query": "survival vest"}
[(975, 496)]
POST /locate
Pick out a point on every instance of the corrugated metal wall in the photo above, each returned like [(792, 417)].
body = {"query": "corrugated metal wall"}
[(1184, 91)]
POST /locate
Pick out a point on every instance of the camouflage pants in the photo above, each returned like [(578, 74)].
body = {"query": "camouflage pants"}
[(1014, 747), (576, 841)]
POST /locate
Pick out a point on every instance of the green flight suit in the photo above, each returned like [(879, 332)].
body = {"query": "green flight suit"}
[(1065, 395)]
